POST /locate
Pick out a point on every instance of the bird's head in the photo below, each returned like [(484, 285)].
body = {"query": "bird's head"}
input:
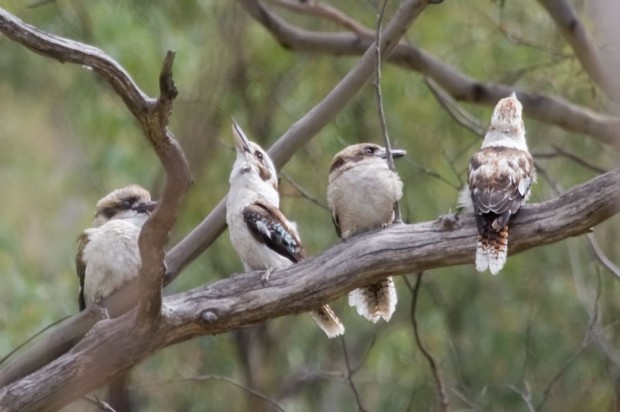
[(252, 164), (506, 127), (361, 154), (129, 202)]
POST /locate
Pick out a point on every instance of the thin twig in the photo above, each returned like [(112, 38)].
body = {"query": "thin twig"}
[(525, 396), (455, 110), (304, 193), (587, 339), (379, 95), (210, 377), (31, 338), (326, 11), (615, 270), (441, 391), (425, 170), (103, 406), (465, 400), (350, 373), (559, 151)]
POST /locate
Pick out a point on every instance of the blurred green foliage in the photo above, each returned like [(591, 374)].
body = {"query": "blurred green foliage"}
[(66, 139)]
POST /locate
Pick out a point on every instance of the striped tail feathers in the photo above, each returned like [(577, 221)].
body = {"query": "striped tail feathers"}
[(327, 320), (492, 249), (375, 301)]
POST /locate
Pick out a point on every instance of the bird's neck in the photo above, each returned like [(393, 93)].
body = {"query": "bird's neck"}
[(497, 138)]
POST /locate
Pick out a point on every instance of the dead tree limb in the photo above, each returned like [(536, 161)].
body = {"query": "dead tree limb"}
[(112, 346)]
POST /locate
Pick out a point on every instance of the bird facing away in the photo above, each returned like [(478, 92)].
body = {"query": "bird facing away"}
[(361, 194), (500, 176), (260, 233), (108, 256)]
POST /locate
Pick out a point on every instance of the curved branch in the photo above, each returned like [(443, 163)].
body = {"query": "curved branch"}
[(242, 300), (153, 116), (544, 108), (65, 50)]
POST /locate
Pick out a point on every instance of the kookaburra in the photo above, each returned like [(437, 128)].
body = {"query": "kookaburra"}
[(108, 256), (500, 176), (260, 233), (361, 194)]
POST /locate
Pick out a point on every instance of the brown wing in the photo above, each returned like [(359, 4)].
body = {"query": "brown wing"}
[(336, 224), (269, 226), (80, 268), (499, 182)]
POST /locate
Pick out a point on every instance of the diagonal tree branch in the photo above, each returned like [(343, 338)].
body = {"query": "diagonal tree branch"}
[(143, 107), (301, 131), (548, 109), (573, 30), (112, 347)]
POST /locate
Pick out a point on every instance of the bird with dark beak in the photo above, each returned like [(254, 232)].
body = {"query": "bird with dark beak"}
[(260, 233), (361, 194), (108, 256)]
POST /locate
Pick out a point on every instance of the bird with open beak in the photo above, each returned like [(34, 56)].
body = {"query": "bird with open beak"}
[(361, 194), (108, 255), (260, 233)]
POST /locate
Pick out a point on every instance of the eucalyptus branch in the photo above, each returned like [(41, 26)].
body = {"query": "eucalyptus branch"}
[(242, 300)]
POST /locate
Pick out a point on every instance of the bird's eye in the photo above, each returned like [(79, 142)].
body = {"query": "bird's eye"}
[(369, 150), (125, 204), (108, 212), (259, 155)]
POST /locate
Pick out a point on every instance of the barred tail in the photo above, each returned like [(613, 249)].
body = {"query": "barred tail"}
[(482, 252), (328, 321), (491, 249), (375, 301), (498, 250)]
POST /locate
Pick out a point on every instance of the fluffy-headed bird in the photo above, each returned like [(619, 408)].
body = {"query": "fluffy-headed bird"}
[(260, 233), (108, 256), (361, 194), (500, 176)]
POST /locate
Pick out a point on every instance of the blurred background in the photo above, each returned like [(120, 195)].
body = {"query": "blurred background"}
[(66, 139)]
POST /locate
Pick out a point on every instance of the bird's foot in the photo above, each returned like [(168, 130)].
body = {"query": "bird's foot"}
[(264, 277), (101, 310), (449, 220)]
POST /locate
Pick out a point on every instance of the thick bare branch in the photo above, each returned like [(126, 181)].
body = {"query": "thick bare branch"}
[(571, 27), (544, 108), (243, 300)]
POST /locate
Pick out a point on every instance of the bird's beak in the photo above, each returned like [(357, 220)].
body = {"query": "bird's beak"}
[(242, 143), (146, 207), (396, 153)]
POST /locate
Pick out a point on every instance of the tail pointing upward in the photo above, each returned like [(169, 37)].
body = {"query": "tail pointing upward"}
[(375, 301)]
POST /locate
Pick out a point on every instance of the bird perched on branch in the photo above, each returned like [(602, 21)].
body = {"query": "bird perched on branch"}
[(108, 256), (500, 176), (260, 233), (361, 194)]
